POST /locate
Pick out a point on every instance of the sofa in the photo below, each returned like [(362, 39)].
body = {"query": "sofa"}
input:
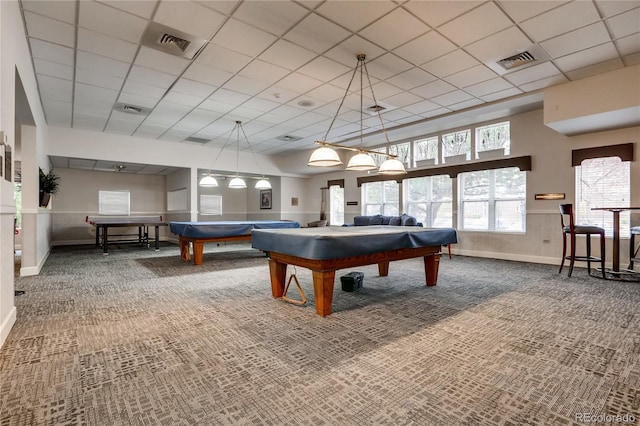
[(378, 219)]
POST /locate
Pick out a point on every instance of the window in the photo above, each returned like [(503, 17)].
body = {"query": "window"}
[(211, 205), (493, 200), (426, 151), (336, 205), (429, 199), (603, 182), (381, 198), (403, 151), (456, 143), (114, 203), (493, 137)]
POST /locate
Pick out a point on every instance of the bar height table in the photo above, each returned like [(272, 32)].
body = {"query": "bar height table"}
[(616, 234)]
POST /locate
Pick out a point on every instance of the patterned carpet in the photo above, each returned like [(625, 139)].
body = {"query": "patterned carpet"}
[(141, 338)]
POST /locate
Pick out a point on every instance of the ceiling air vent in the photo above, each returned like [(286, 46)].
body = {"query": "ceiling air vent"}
[(197, 139), (131, 109), (375, 109), (170, 40), (288, 138), (516, 60)]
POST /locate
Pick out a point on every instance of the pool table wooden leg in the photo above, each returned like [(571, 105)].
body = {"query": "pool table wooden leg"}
[(383, 268), (278, 273), (198, 248), (431, 264), (323, 290), (184, 250)]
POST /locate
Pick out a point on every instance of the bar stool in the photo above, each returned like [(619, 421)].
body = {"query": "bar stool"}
[(571, 229), (633, 250)]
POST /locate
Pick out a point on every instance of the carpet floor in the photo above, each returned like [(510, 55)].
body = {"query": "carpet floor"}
[(142, 338)]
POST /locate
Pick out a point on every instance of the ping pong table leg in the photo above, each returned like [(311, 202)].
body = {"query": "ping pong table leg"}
[(157, 237), (105, 240)]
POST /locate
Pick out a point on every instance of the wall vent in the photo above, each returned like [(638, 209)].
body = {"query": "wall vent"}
[(170, 40), (517, 60), (131, 109), (197, 140)]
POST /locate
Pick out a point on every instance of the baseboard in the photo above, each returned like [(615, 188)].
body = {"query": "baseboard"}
[(34, 270), (6, 325), (93, 242), (508, 256)]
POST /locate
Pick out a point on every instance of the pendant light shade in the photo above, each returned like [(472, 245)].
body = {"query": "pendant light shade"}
[(237, 183), (392, 166), (324, 157), (208, 181), (263, 184), (361, 162)]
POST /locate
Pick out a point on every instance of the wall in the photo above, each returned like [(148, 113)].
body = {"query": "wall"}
[(551, 172), (14, 59)]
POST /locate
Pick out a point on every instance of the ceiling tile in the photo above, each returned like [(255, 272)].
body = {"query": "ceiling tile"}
[(58, 113), (245, 85), (387, 66), (574, 41), (161, 61), (263, 71), (243, 38), (545, 82), (153, 93), (183, 99), (523, 10), (189, 17), (99, 79), (142, 8), (450, 63), (52, 52), (625, 24), (594, 69), (347, 51), (195, 120), (500, 45), (149, 131), (352, 15), (275, 17), (324, 69), (224, 7), (426, 48), (451, 98), (103, 45), (534, 73), (412, 78), (53, 69), (563, 19), (261, 105), (465, 104), (228, 97), (316, 33), (586, 57), (299, 83), (55, 88), (49, 29), (278, 94), (394, 29), (167, 113), (403, 99), (420, 107), (107, 20), (628, 45), (436, 13), (435, 88), (101, 64), (207, 75), (610, 8), (489, 86), (222, 58), (501, 95), (327, 93), (470, 76), (98, 97), (480, 22), (193, 88), (151, 77), (382, 90), (61, 10), (287, 54)]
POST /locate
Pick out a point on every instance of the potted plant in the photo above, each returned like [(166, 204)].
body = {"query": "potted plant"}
[(49, 184)]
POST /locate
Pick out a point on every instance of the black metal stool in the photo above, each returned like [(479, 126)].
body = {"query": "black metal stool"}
[(633, 250)]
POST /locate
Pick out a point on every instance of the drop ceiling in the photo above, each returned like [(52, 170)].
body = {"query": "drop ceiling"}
[(282, 67)]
